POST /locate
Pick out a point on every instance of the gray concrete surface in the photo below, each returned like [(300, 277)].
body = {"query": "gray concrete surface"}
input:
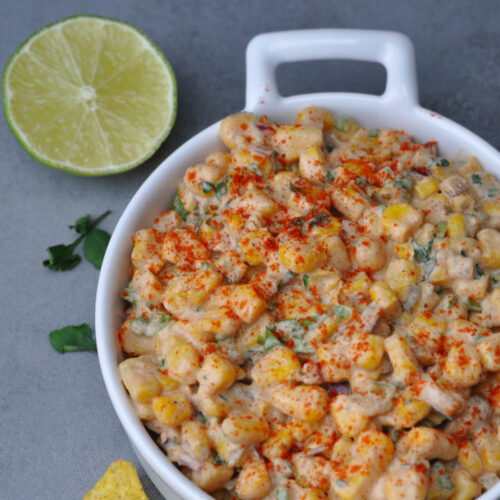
[(58, 431)]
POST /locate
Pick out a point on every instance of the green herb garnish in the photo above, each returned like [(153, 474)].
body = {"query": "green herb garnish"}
[(305, 280), (442, 162), (452, 302), (178, 206), (341, 122), (372, 132), (476, 179), (479, 271), (441, 229), (342, 312), (73, 338), (473, 306), (63, 258)]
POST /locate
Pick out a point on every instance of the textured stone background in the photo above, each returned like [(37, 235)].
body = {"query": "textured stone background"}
[(58, 431)]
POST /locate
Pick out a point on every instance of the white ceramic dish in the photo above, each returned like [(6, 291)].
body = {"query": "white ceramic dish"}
[(398, 107)]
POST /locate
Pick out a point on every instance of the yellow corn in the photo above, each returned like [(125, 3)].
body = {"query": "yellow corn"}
[(172, 409), (463, 203), (489, 240), (290, 140), (488, 447), (245, 428), (463, 365), (216, 374), (278, 444), (408, 411), (277, 365), (202, 284), (253, 481), (183, 363), (234, 127), (403, 250), (250, 245), (471, 166), (366, 351), (140, 379), (385, 298), (246, 303), (212, 477), (456, 226), (492, 208), (427, 187), (489, 352), (465, 488), (320, 117), (405, 366), (235, 223), (400, 220), (195, 439), (469, 459), (303, 402), (301, 257), (409, 481), (400, 275), (147, 251), (247, 158), (312, 164), (349, 417)]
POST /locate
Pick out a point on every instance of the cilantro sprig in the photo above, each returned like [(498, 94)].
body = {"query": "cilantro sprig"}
[(73, 338), (63, 257)]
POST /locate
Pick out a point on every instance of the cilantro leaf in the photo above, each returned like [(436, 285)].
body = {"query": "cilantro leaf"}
[(476, 179), (72, 338), (341, 122), (342, 312), (81, 225), (305, 280), (178, 206), (473, 306), (373, 132), (62, 258), (94, 246), (207, 187), (441, 229)]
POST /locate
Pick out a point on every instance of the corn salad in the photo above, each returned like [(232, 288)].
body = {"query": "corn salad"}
[(318, 317)]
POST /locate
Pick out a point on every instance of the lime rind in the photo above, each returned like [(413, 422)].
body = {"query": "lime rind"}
[(75, 169)]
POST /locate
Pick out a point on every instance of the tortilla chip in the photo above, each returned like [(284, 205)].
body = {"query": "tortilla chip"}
[(120, 482)]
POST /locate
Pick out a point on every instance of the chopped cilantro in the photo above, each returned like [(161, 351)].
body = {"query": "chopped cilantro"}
[(223, 396), (479, 271), (342, 312), (372, 132), (403, 182), (442, 162), (295, 189), (72, 338), (329, 175), (441, 229), (255, 168), (217, 460), (452, 302), (477, 338), (476, 179), (221, 188), (473, 306), (207, 187), (341, 122), (305, 280), (129, 294), (421, 253), (282, 493), (178, 206)]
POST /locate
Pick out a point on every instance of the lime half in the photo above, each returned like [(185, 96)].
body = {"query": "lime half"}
[(89, 95)]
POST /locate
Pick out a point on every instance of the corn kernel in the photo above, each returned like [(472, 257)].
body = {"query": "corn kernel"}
[(427, 187), (253, 481), (147, 251), (400, 275), (366, 351), (202, 284), (245, 428), (234, 129), (403, 250), (488, 447), (212, 477), (385, 298), (349, 417), (251, 245), (278, 444), (456, 226), (301, 257), (463, 365), (489, 352), (290, 140), (469, 459), (409, 481), (195, 439), (312, 164), (303, 402), (463, 203), (492, 209), (246, 303), (400, 220), (408, 411), (216, 374), (405, 366), (172, 409), (139, 378), (465, 488), (277, 365), (183, 363), (489, 240)]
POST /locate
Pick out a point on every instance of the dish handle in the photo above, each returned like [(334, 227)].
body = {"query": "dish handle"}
[(393, 50)]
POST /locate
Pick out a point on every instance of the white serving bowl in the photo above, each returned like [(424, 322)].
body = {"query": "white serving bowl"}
[(398, 107)]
